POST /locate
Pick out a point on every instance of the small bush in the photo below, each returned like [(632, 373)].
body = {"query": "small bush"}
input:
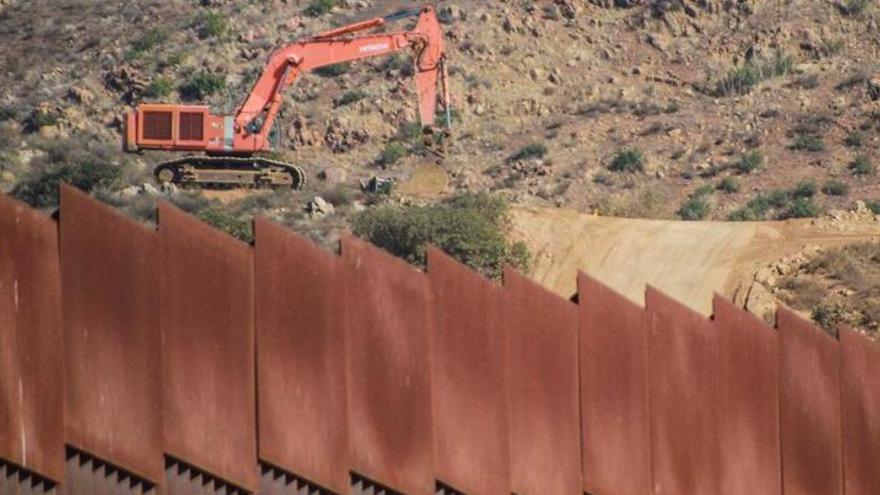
[(729, 185), (471, 228), (862, 166), (854, 7), (750, 162), (854, 139), (628, 161), (335, 70), (351, 97), (808, 142), (828, 316), (835, 188), (319, 7), (804, 189), (740, 80), (202, 84), (534, 150), (393, 152), (150, 40), (874, 206), (159, 88), (801, 208), (211, 24), (695, 208), (41, 190), (228, 222), (39, 119)]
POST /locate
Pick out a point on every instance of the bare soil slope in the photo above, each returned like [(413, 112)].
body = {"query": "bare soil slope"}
[(688, 260)]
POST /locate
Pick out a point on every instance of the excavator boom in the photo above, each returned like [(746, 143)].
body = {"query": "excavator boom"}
[(173, 127)]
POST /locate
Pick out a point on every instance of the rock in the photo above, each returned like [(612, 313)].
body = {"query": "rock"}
[(874, 87), (126, 80), (765, 276), (453, 13), (319, 207), (556, 76), (760, 302), (334, 175), (300, 135), (339, 137)]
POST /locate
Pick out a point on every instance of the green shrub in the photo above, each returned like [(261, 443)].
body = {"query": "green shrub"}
[(863, 166), (159, 88), (534, 150), (150, 40), (854, 139), (351, 97), (829, 315), (335, 70), (211, 24), (854, 7), (804, 189), (874, 206), (202, 84), (228, 222), (41, 189), (801, 208), (740, 80), (628, 161), (319, 7), (39, 119), (808, 142), (729, 185), (471, 228), (695, 208), (835, 188), (749, 162), (393, 152)]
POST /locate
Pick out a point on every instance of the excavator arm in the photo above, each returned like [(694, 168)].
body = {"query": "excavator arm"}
[(193, 127)]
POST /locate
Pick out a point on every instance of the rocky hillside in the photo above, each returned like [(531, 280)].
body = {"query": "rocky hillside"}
[(694, 109)]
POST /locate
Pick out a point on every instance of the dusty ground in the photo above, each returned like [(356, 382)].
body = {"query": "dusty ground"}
[(688, 260)]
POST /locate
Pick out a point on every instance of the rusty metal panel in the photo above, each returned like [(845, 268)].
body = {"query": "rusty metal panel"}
[(809, 376), (110, 282), (683, 400), (388, 325), (469, 378), (860, 392), (748, 418), (543, 394), (301, 358), (208, 375), (31, 342), (614, 391)]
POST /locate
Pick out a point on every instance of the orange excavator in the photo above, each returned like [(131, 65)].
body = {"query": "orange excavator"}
[(231, 143)]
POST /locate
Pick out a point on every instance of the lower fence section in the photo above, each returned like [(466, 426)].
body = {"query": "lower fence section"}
[(177, 361)]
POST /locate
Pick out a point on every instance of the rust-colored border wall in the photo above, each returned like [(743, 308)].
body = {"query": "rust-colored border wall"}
[(860, 379), (544, 397), (749, 402), (614, 392), (682, 371), (469, 376), (180, 360), (207, 318), (31, 342), (388, 327), (301, 361), (113, 370), (809, 368)]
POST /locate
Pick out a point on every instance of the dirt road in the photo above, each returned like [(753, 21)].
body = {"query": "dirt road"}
[(687, 260)]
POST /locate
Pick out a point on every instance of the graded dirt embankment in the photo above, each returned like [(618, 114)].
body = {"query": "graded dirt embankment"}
[(687, 260)]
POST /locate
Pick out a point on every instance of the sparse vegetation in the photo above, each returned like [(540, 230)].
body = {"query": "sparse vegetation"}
[(528, 152), (236, 226), (783, 204), (697, 205), (729, 185), (351, 97), (331, 71), (835, 187), (39, 119), (202, 84), (630, 160), (211, 24), (392, 153), (750, 162), (862, 166), (159, 88), (146, 43), (854, 139), (740, 80), (808, 142), (319, 7), (854, 7), (471, 228)]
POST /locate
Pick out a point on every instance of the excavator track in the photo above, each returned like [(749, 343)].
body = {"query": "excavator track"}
[(230, 171)]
